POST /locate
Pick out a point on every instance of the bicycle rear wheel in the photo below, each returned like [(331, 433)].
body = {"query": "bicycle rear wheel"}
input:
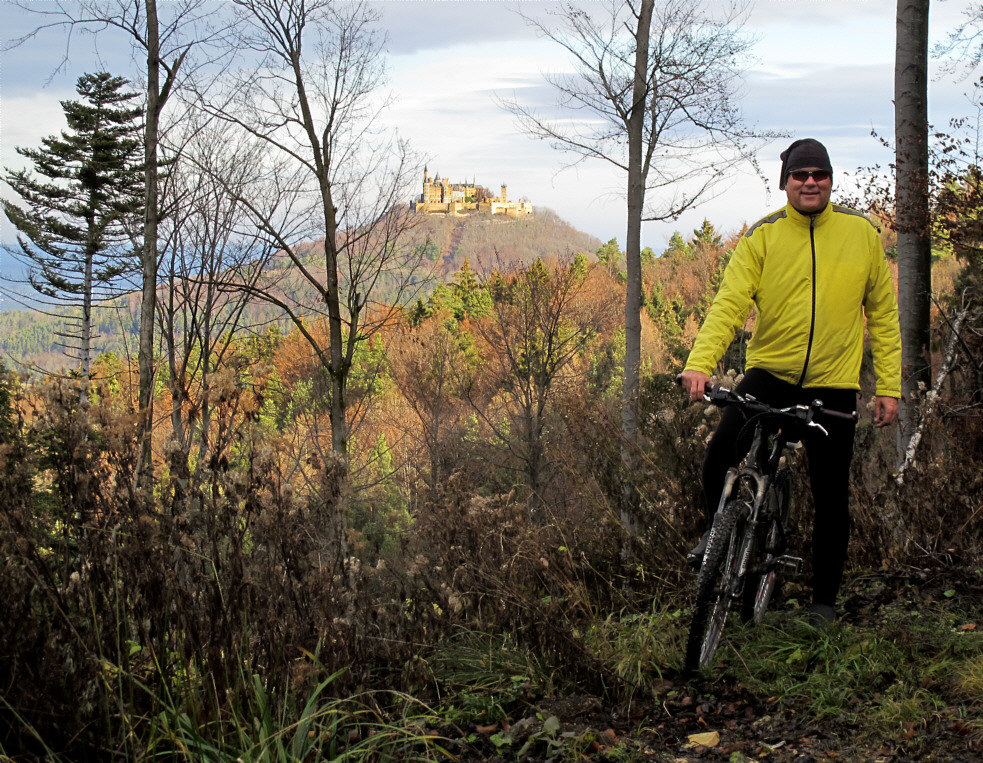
[(715, 583), (769, 545)]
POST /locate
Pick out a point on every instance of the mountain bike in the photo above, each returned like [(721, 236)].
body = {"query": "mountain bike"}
[(747, 546)]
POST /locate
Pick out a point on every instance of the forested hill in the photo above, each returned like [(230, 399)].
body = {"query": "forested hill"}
[(32, 340), (485, 241), (497, 241)]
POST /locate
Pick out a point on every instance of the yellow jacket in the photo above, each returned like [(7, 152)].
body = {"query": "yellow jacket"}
[(811, 279)]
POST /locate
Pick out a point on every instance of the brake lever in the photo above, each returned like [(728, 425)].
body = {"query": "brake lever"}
[(818, 426)]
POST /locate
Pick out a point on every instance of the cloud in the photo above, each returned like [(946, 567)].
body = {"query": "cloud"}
[(427, 25), (55, 57), (27, 119), (823, 68), (822, 97)]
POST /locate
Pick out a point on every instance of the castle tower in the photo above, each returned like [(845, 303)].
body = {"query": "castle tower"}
[(505, 192)]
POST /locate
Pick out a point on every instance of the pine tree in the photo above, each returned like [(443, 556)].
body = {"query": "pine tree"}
[(78, 231), (473, 299), (677, 249), (609, 253), (706, 234)]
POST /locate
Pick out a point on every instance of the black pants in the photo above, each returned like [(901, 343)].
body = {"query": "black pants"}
[(829, 468)]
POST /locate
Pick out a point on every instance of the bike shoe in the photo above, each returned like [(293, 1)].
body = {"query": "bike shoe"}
[(694, 557)]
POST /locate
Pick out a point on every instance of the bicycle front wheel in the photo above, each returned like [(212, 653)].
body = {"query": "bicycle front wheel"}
[(716, 583)]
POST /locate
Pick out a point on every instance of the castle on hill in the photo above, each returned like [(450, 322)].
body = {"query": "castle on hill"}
[(440, 196)]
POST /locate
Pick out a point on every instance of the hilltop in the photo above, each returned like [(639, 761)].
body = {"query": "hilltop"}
[(490, 241)]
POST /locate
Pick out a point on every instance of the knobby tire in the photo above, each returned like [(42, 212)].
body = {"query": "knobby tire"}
[(713, 583)]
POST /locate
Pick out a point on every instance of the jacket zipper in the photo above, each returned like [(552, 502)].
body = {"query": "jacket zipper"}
[(812, 318)]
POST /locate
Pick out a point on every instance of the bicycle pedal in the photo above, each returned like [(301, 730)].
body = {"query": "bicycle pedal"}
[(793, 563)]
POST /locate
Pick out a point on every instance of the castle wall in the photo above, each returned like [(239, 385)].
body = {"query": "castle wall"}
[(441, 197)]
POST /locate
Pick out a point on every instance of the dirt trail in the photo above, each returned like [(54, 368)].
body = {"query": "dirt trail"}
[(722, 719)]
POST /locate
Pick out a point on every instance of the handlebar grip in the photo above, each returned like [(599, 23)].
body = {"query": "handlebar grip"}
[(840, 414), (708, 387)]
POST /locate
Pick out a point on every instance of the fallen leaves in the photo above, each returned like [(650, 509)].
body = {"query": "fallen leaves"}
[(705, 739)]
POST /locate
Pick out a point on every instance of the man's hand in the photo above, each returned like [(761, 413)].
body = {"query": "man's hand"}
[(885, 410), (694, 383)]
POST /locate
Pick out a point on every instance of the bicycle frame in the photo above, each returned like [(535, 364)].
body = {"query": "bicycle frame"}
[(761, 470)]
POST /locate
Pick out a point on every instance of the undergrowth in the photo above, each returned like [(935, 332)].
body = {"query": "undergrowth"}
[(640, 649), (888, 678), (483, 678), (240, 615), (372, 725)]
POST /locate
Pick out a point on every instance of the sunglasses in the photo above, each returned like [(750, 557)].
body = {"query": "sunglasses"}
[(801, 176)]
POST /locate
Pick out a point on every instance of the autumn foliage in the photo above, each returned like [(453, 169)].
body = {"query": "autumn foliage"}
[(481, 492)]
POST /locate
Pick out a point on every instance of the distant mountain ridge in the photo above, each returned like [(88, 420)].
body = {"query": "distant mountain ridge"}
[(485, 241)]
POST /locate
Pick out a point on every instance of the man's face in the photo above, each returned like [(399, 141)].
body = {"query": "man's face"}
[(808, 195)]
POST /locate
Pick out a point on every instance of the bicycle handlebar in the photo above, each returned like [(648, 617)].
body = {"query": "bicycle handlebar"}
[(722, 396), (840, 414)]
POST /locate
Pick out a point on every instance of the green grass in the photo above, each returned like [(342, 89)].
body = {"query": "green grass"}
[(267, 727), (639, 648), (884, 679), (484, 678), (275, 726)]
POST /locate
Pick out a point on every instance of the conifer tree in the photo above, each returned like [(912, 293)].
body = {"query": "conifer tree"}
[(706, 235), (677, 249), (83, 201), (472, 297), (609, 253)]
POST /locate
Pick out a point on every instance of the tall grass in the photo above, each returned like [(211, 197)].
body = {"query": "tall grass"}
[(133, 626), (264, 729)]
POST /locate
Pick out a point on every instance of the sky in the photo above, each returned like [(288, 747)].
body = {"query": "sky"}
[(819, 68)]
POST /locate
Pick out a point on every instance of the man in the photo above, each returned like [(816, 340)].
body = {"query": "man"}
[(812, 270)]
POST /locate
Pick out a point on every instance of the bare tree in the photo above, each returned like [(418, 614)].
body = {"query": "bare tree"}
[(912, 202), (966, 40), (653, 93), (537, 329), (205, 233), (342, 182), (428, 363), (166, 43)]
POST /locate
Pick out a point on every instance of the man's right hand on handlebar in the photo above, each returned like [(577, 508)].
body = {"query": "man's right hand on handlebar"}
[(694, 383)]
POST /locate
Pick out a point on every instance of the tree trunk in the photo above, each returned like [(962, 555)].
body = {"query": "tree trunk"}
[(148, 303), (177, 457), (85, 332), (911, 199), (339, 364), (633, 263)]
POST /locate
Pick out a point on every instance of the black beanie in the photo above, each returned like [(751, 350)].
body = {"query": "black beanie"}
[(807, 152)]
